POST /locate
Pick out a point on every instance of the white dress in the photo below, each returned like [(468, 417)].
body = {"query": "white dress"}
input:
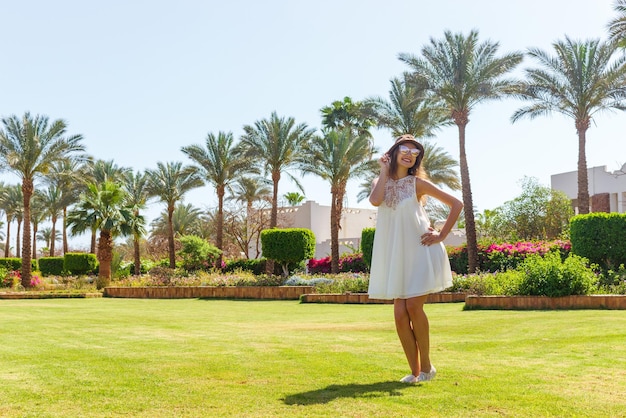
[(401, 266)]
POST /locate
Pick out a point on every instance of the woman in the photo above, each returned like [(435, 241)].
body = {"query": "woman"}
[(409, 260)]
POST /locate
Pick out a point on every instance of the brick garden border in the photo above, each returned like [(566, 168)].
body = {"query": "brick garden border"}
[(545, 302), (217, 292), (443, 297)]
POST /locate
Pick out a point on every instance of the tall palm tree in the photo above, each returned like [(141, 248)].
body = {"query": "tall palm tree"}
[(583, 78), (170, 182), (102, 205), (136, 187), (346, 113), (463, 73), (440, 166), (274, 144), (185, 221), (52, 199), (617, 26), (45, 235), (409, 110), (38, 213), (11, 201), (29, 146), (250, 190), (337, 157), (220, 164), (68, 176)]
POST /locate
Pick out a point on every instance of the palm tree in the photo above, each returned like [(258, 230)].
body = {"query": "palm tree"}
[(345, 113), (583, 79), (68, 176), (274, 145), (185, 221), (38, 213), (440, 166), (463, 73), (250, 190), (219, 164), (337, 157), (102, 206), (99, 171), (28, 148), (170, 182), (409, 110), (617, 26), (136, 188), (52, 199), (45, 235), (11, 201), (293, 198)]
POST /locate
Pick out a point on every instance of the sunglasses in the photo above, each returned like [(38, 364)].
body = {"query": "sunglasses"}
[(404, 150)]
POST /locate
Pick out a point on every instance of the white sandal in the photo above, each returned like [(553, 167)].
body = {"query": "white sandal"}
[(425, 377)]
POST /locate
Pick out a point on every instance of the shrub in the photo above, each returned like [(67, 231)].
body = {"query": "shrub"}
[(51, 266), (550, 276), (494, 257), (600, 238), (253, 265), (197, 253), (80, 263), (11, 263), (367, 245), (289, 245)]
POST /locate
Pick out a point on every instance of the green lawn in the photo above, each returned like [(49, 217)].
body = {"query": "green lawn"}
[(197, 358)]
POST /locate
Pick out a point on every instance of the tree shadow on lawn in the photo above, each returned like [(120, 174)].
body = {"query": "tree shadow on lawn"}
[(332, 392)]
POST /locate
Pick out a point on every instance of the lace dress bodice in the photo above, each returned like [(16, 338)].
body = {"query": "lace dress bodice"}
[(398, 190)]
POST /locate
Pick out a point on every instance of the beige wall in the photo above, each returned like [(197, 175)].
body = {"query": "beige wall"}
[(601, 182)]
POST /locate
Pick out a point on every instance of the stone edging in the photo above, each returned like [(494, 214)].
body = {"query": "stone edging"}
[(545, 302), (225, 292), (443, 297), (49, 295)]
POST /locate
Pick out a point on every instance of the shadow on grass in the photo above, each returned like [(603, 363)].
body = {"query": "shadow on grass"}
[(332, 392)]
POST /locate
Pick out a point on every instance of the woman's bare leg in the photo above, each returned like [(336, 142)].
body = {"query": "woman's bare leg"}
[(406, 334), (420, 327)]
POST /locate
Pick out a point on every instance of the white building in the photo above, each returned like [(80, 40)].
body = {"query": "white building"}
[(607, 191), (316, 217)]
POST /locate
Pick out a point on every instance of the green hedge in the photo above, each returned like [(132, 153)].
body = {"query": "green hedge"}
[(288, 245), (600, 238), (367, 245), (51, 266), (80, 263), (15, 263)]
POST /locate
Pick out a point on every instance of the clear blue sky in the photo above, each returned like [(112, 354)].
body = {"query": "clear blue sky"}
[(141, 79)]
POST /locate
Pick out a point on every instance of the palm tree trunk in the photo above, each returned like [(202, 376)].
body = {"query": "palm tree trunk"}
[(220, 223), (170, 237), (470, 224), (93, 241), (34, 241), (65, 246), (18, 248), (7, 245), (269, 264), (53, 233), (583, 181), (27, 191), (137, 255), (105, 255), (335, 217)]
